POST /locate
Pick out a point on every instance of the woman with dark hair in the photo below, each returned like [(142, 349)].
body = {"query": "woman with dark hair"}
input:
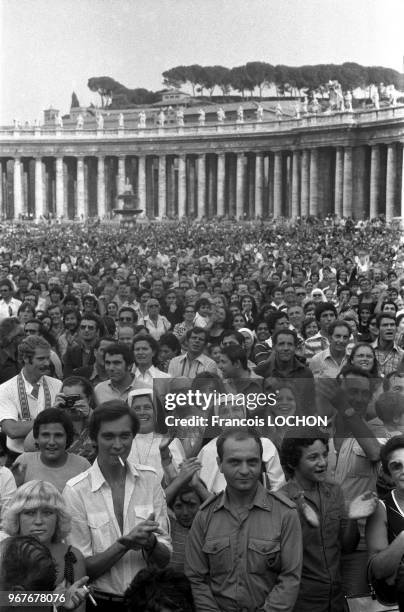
[(309, 328), (385, 528), (249, 310), (71, 301), (180, 329), (31, 567), (145, 350), (169, 347), (326, 525), (342, 277), (221, 319), (287, 404), (112, 309), (363, 356), (25, 312)]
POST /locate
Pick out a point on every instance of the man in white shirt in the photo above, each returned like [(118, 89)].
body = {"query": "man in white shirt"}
[(118, 509), (25, 395), (8, 304)]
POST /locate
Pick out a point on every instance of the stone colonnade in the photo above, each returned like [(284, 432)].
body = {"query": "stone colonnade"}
[(358, 181)]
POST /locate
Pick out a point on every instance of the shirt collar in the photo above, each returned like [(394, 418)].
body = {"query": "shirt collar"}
[(98, 478), (27, 384), (149, 371), (111, 386), (261, 499), (375, 345)]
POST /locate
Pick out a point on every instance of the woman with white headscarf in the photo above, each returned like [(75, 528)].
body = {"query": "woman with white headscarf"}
[(150, 446)]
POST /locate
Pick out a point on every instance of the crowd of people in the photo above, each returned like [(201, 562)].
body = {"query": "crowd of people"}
[(117, 489)]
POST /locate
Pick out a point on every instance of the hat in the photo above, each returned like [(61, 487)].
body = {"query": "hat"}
[(249, 332), (138, 392)]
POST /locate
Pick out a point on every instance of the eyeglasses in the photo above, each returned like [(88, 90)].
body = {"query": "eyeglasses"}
[(396, 466), (90, 327)]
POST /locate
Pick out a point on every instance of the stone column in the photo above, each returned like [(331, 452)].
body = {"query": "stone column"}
[(191, 172), (182, 186), (339, 180), (240, 181), (313, 198), (121, 178), (374, 181), (278, 184), (141, 181), (390, 181), (347, 183), (295, 184), (201, 185), (39, 194), (402, 187), (60, 192), (221, 176), (2, 202), (305, 184), (17, 180), (81, 212), (259, 184), (162, 195), (101, 208)]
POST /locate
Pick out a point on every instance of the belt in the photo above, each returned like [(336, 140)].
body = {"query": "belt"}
[(108, 596)]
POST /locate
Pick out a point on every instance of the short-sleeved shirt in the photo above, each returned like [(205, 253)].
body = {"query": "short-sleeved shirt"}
[(94, 524), (58, 476), (10, 407)]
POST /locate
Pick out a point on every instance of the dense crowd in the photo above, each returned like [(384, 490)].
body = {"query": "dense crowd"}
[(202, 416)]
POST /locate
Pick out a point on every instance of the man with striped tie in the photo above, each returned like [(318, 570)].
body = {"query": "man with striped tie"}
[(28, 393)]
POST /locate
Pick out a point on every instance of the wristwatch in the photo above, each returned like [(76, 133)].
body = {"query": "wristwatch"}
[(349, 412)]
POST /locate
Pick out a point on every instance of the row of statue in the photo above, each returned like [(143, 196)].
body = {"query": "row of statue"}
[(338, 101)]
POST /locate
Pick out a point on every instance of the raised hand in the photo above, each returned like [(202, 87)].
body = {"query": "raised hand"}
[(189, 468), (142, 535), (363, 506), (19, 471), (166, 441), (307, 511)]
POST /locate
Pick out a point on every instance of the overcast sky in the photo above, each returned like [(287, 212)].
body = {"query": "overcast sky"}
[(51, 47)]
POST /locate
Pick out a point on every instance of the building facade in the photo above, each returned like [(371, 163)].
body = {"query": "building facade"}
[(348, 163)]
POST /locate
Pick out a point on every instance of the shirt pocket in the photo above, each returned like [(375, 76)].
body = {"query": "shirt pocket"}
[(99, 525), (218, 552), (332, 523), (143, 512), (263, 555)]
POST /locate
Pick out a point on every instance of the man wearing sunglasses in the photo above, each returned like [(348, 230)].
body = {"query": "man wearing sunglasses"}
[(90, 330)]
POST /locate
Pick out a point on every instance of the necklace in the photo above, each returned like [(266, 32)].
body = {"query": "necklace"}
[(145, 458)]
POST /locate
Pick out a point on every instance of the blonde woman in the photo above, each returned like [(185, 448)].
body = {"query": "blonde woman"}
[(38, 509)]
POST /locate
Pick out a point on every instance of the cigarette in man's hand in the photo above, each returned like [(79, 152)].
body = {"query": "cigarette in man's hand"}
[(90, 597)]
